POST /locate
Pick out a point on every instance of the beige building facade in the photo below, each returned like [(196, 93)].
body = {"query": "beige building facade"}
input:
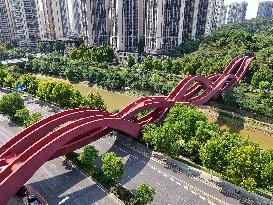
[(56, 18)]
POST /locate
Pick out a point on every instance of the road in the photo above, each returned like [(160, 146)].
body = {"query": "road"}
[(57, 181), (171, 188)]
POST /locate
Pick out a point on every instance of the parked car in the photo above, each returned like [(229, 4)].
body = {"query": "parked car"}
[(32, 200)]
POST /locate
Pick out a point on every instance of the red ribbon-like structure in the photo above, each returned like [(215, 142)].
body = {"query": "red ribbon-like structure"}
[(24, 154)]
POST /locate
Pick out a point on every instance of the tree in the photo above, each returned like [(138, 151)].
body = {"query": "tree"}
[(10, 103), (8, 45), (33, 118), (147, 64), (61, 93), (76, 99), (145, 195), (45, 88), (204, 132), (21, 116), (264, 74), (186, 118), (188, 46), (42, 47), (157, 65), (243, 166), (93, 100), (103, 54), (164, 139), (9, 80), (73, 73), (30, 81), (167, 65), (213, 153), (112, 166), (59, 46), (88, 156), (267, 169), (131, 61), (3, 75), (264, 87), (24, 118)]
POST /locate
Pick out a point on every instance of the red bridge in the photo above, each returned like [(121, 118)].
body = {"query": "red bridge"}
[(23, 155)]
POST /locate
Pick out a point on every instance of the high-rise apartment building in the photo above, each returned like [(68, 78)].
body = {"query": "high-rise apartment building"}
[(23, 22), (6, 28), (163, 24), (126, 24), (76, 17), (214, 15), (56, 18), (224, 14), (265, 10), (169, 22), (237, 12), (118, 22), (95, 21), (41, 19)]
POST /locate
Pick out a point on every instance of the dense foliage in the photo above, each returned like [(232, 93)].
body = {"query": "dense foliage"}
[(13, 106), (145, 195), (112, 166), (187, 132), (88, 156), (81, 66), (9, 50), (59, 92)]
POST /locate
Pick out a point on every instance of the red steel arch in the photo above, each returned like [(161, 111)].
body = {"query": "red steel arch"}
[(23, 155)]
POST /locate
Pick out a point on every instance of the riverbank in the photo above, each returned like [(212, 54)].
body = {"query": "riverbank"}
[(256, 131)]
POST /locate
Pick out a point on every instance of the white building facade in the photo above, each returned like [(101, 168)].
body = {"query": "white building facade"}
[(23, 20), (169, 22), (215, 14), (237, 12), (126, 24), (76, 17), (6, 28), (265, 10)]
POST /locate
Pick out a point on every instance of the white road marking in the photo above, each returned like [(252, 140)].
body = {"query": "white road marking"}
[(64, 200)]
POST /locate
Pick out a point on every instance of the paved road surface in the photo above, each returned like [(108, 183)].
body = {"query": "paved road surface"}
[(171, 188), (56, 180)]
